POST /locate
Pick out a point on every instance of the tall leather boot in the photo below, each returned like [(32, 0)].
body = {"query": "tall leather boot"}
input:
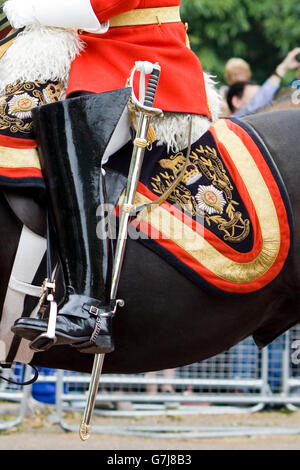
[(73, 136)]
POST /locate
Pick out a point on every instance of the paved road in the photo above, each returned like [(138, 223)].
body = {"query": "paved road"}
[(55, 440), (36, 433)]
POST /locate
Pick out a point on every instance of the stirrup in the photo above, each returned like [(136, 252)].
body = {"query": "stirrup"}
[(46, 340)]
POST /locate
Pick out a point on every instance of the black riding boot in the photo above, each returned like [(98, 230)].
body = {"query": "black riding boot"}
[(71, 149)]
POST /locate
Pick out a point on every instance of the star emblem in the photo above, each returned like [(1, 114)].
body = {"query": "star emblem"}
[(22, 105), (210, 200)]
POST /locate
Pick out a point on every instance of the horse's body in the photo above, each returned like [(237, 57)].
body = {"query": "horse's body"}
[(168, 321), (286, 100)]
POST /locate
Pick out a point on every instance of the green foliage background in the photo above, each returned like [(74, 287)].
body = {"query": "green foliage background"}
[(260, 31), (2, 16)]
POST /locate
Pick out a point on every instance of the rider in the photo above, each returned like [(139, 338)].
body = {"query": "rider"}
[(115, 34)]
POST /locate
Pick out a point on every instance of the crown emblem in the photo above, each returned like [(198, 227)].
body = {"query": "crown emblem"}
[(191, 175)]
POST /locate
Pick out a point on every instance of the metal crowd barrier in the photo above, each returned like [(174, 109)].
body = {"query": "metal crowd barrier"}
[(291, 368), (14, 399), (217, 380), (242, 380)]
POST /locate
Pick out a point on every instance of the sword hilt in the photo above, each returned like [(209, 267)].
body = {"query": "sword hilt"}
[(152, 86)]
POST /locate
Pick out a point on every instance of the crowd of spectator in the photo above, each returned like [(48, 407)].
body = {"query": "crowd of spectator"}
[(243, 96)]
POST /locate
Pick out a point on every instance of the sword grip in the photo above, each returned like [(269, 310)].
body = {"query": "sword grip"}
[(152, 87)]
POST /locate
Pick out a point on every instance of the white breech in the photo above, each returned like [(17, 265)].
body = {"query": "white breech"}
[(30, 253)]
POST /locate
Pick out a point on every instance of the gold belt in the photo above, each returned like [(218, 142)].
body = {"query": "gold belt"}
[(144, 16)]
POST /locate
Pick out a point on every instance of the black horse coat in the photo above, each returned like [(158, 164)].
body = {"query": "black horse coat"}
[(169, 322)]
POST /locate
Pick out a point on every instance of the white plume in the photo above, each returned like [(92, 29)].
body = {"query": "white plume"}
[(39, 53)]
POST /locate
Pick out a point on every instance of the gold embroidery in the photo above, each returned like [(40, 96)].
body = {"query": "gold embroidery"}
[(209, 200), (19, 158), (54, 91), (205, 253), (197, 246), (18, 100)]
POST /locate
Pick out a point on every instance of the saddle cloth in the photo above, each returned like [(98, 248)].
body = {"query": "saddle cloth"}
[(19, 162), (228, 225)]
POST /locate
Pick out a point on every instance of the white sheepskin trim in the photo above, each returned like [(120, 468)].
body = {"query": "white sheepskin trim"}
[(213, 96), (39, 53), (172, 129)]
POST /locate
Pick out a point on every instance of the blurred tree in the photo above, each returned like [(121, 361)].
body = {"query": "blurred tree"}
[(260, 31), (5, 25)]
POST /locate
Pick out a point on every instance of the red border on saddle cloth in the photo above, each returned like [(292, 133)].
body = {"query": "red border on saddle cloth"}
[(17, 143), (21, 172), (285, 235)]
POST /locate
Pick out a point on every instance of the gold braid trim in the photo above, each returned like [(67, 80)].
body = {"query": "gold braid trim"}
[(19, 158)]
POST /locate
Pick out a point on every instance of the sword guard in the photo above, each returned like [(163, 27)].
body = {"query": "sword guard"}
[(145, 68)]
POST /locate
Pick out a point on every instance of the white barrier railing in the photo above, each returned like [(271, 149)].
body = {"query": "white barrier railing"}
[(10, 393), (242, 380)]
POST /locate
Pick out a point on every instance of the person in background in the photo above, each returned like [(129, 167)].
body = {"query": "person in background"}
[(237, 70), (246, 97), (165, 388)]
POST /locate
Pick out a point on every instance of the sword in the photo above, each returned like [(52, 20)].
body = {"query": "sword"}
[(140, 144)]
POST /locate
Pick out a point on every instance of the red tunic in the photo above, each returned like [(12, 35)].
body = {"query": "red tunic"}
[(108, 58)]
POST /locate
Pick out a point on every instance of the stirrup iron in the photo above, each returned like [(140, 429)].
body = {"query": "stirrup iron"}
[(45, 341)]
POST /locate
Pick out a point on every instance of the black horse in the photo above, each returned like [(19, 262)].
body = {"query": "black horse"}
[(169, 322)]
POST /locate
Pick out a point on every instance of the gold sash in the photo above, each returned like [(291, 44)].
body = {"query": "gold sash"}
[(144, 16)]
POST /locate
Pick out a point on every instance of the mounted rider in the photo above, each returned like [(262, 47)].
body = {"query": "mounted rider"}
[(113, 34)]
